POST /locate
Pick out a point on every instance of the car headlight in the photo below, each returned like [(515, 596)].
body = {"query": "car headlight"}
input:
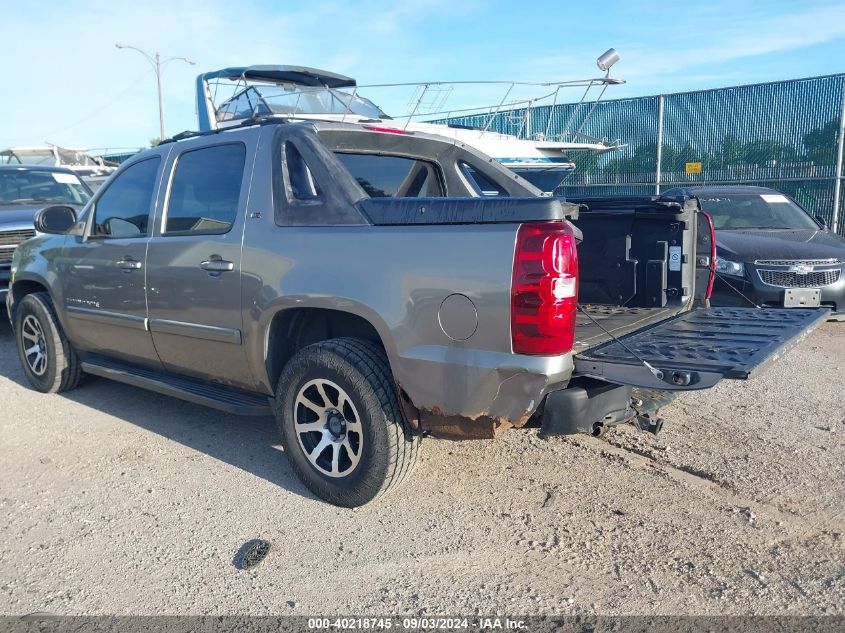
[(729, 267)]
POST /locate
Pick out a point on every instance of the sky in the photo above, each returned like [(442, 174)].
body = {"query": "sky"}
[(66, 83)]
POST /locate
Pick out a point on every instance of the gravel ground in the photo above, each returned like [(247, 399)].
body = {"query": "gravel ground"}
[(114, 500)]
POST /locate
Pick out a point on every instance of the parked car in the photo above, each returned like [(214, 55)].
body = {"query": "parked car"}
[(771, 251), (369, 286), (93, 170), (24, 190)]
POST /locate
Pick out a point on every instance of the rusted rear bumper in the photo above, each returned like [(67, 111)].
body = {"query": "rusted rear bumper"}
[(475, 394)]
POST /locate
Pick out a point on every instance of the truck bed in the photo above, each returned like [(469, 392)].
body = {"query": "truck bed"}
[(626, 281), (618, 320)]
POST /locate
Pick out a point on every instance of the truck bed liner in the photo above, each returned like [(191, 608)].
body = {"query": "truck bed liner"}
[(618, 320)]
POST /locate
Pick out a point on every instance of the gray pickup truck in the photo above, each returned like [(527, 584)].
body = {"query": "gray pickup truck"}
[(370, 286)]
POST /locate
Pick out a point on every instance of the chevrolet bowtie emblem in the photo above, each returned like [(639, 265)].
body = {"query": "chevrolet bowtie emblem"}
[(802, 269)]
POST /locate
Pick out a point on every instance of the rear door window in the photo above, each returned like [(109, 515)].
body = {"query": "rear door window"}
[(384, 176), (206, 190)]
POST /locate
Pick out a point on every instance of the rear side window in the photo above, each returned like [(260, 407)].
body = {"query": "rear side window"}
[(483, 185), (206, 190), (383, 176), (303, 187), (309, 188), (123, 209)]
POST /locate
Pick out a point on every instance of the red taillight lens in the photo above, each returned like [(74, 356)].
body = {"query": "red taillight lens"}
[(544, 289), (387, 130), (712, 254)]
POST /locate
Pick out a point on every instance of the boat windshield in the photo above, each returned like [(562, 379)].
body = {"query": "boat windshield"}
[(752, 211), (28, 157), (47, 156), (76, 158), (262, 100), (24, 186)]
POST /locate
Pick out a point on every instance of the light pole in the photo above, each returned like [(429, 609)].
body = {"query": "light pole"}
[(158, 63)]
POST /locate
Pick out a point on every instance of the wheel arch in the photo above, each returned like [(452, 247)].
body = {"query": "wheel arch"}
[(26, 286), (291, 329)]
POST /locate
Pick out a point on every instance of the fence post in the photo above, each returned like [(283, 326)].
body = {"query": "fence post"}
[(659, 165), (837, 185)]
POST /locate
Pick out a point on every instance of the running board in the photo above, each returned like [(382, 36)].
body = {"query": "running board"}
[(200, 392)]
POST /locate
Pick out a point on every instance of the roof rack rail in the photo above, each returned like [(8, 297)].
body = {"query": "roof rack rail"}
[(256, 120), (183, 135), (264, 119)]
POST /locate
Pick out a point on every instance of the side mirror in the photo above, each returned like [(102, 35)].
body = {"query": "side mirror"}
[(55, 220), (822, 222)]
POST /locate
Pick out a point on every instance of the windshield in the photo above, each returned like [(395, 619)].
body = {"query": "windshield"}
[(29, 157), (296, 100), (76, 157), (755, 211), (29, 185)]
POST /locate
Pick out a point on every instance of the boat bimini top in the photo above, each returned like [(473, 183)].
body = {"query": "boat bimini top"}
[(525, 144), (283, 90)]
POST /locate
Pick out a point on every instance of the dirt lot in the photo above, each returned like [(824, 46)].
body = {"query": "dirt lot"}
[(115, 500)]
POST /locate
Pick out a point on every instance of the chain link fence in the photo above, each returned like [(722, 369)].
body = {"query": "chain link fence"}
[(786, 135)]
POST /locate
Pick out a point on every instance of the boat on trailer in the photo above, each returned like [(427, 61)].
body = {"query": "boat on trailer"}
[(231, 96)]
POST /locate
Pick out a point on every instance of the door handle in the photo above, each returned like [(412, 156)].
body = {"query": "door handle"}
[(215, 265), (128, 265)]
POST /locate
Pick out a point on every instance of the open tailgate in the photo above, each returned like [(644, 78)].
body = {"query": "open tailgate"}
[(695, 350)]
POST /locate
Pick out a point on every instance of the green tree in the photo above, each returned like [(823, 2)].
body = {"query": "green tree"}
[(643, 160), (820, 144), (733, 152), (764, 152), (585, 162)]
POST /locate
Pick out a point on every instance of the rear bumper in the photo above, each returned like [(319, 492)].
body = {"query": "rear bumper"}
[(456, 393), (586, 406)]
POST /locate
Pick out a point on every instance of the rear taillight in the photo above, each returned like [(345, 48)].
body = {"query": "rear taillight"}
[(712, 254), (544, 289), (387, 130)]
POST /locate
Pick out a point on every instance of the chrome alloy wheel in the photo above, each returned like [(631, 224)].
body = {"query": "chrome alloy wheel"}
[(34, 345), (328, 428)]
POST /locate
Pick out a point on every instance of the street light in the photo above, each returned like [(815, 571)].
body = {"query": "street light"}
[(158, 63)]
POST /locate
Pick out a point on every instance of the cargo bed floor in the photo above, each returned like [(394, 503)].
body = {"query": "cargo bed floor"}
[(617, 320)]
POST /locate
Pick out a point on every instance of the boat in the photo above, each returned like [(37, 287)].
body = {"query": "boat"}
[(233, 96), (92, 169)]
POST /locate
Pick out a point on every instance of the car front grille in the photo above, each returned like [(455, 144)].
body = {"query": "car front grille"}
[(9, 240), (795, 262), (790, 279)]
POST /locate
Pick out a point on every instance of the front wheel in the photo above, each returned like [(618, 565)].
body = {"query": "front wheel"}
[(49, 361), (341, 424)]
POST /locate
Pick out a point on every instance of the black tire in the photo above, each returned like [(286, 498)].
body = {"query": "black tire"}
[(61, 369), (387, 450)]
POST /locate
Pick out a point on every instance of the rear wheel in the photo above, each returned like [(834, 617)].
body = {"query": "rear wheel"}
[(341, 424), (49, 361)]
